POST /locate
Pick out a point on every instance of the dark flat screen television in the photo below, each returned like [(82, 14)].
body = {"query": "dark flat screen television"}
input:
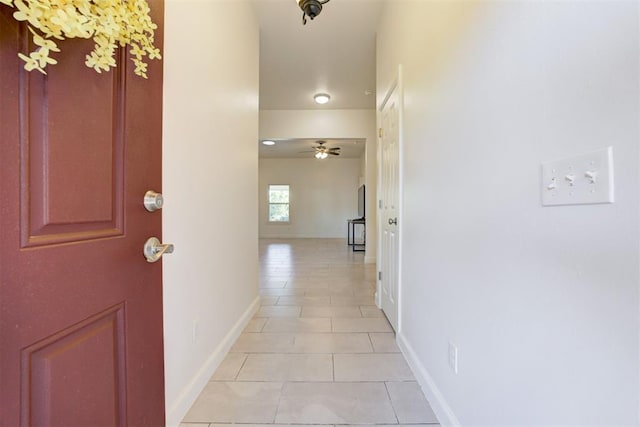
[(361, 201)]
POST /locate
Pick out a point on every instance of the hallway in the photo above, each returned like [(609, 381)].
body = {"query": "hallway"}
[(318, 352)]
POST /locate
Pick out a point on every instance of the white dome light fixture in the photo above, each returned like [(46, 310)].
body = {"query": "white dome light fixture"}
[(310, 8), (321, 155), (268, 142), (321, 98)]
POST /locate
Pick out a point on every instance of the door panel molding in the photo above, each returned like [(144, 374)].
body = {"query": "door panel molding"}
[(79, 198), (50, 365)]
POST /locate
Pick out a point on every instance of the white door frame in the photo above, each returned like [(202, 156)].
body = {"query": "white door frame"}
[(396, 84)]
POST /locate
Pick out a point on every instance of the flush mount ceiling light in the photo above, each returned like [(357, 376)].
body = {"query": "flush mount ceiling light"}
[(267, 142), (310, 8), (321, 98)]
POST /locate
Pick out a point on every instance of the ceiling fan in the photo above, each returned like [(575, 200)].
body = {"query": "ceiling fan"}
[(322, 151)]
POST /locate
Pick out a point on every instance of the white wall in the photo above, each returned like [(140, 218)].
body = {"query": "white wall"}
[(324, 194), (363, 169), (541, 302), (326, 124), (210, 187)]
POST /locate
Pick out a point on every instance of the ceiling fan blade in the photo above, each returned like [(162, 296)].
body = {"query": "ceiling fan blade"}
[(334, 149), (333, 154), (307, 151)]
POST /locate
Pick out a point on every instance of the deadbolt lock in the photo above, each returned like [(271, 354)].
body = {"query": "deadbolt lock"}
[(153, 201)]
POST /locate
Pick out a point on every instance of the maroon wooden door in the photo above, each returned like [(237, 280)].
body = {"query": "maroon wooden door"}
[(80, 309)]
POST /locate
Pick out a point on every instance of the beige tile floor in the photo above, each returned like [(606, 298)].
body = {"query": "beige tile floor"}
[(317, 353)]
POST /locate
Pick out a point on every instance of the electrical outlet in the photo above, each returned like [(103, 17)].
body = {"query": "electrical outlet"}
[(194, 332), (453, 357)]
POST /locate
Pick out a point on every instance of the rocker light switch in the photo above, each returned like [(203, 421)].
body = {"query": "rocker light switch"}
[(580, 180)]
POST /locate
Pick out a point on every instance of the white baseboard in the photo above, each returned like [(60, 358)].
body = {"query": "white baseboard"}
[(178, 409), (297, 236), (440, 407)]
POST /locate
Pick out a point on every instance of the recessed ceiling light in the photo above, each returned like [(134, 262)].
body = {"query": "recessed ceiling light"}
[(321, 98), (267, 142)]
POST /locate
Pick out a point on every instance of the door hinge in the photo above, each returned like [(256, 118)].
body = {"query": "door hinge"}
[(381, 133), (379, 275), (379, 204)]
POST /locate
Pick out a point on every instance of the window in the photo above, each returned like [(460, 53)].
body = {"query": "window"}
[(278, 203)]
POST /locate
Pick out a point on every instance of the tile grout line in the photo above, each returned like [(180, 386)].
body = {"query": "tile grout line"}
[(395, 413), (246, 357), (275, 414), (333, 366), (264, 325)]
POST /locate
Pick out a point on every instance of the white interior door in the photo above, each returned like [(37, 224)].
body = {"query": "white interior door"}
[(389, 209)]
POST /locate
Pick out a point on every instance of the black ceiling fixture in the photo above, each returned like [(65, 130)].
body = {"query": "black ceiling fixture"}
[(310, 8)]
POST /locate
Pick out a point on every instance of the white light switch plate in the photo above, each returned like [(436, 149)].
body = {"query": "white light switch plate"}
[(579, 180)]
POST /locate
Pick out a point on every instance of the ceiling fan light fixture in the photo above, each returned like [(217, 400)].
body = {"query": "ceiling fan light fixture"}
[(268, 142), (321, 98), (322, 151), (310, 8)]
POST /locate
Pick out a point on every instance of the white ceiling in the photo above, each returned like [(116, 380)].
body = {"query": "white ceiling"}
[(335, 54), (303, 148)]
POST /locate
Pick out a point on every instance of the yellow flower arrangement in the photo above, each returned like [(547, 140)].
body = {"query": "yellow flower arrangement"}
[(110, 23)]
